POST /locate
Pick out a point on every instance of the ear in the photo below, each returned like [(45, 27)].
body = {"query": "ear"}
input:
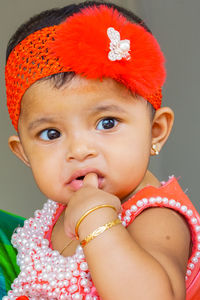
[(161, 128), (17, 148)]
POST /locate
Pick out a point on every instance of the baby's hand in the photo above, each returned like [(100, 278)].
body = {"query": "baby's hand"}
[(85, 198)]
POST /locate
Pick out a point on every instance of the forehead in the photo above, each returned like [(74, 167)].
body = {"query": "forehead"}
[(43, 95)]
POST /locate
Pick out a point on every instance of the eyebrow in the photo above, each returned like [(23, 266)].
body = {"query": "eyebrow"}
[(97, 109), (109, 108), (40, 121)]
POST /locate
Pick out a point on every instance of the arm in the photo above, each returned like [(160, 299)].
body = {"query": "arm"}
[(147, 261), (139, 263)]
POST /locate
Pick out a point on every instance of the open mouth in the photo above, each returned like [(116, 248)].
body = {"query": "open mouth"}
[(80, 178), (76, 180)]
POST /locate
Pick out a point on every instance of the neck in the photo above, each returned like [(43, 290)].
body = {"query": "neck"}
[(149, 179)]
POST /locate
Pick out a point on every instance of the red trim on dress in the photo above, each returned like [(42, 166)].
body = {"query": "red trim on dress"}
[(168, 195)]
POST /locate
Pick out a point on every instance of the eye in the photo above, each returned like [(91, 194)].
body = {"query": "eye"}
[(107, 123), (49, 134)]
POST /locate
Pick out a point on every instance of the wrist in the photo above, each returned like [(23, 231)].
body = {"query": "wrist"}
[(94, 220)]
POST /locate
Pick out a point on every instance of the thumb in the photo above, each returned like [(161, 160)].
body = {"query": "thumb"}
[(91, 179)]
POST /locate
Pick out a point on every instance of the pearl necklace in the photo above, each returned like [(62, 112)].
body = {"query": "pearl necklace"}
[(45, 274)]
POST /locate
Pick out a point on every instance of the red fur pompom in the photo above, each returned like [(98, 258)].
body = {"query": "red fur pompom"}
[(82, 45)]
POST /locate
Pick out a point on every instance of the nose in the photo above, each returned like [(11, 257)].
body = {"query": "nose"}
[(80, 148)]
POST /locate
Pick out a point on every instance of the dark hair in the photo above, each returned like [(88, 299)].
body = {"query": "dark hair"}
[(56, 16)]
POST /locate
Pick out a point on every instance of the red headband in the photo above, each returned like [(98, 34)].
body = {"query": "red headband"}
[(98, 42)]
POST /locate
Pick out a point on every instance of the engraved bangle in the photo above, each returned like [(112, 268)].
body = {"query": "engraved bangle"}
[(87, 213), (98, 231)]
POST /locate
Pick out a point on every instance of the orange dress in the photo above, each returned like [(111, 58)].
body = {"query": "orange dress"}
[(45, 273), (171, 195)]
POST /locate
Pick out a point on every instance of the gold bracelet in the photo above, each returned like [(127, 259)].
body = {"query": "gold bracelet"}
[(87, 213), (98, 231)]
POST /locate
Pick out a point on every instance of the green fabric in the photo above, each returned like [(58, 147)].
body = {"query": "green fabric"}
[(8, 267)]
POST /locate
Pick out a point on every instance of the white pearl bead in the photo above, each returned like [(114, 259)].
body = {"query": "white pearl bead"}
[(73, 266), (139, 203), (197, 254), (125, 45), (68, 275), (183, 208), (61, 260), (133, 208), (87, 290), (84, 266), (145, 200), (73, 288), (63, 297), (79, 249), (84, 282), (38, 267), (88, 297), (191, 266), (61, 276), (194, 220), (81, 257), (178, 204), (76, 273), (172, 202), (189, 212), (195, 260), (83, 274), (74, 280), (189, 272), (152, 200), (124, 223), (158, 199), (127, 219), (119, 216), (77, 296), (128, 213), (165, 200), (66, 283), (53, 283)]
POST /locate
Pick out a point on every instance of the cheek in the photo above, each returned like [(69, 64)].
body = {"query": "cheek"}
[(132, 155), (133, 147), (44, 167), (47, 178)]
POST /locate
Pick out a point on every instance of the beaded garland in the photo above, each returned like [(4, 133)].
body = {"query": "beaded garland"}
[(45, 274)]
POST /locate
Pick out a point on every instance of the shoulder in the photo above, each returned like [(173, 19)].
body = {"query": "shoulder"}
[(159, 220), (162, 229), (165, 235), (159, 225)]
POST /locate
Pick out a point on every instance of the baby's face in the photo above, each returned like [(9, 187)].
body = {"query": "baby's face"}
[(85, 126)]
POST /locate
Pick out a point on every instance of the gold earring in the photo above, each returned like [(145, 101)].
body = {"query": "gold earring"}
[(155, 149)]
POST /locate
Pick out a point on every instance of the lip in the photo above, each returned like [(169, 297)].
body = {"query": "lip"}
[(75, 184)]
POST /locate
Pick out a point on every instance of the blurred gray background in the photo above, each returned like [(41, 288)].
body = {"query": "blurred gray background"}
[(176, 25)]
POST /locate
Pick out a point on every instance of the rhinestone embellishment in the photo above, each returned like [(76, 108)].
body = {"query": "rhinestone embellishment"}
[(118, 48)]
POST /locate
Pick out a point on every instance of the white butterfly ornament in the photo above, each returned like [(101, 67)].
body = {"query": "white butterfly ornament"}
[(118, 48)]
